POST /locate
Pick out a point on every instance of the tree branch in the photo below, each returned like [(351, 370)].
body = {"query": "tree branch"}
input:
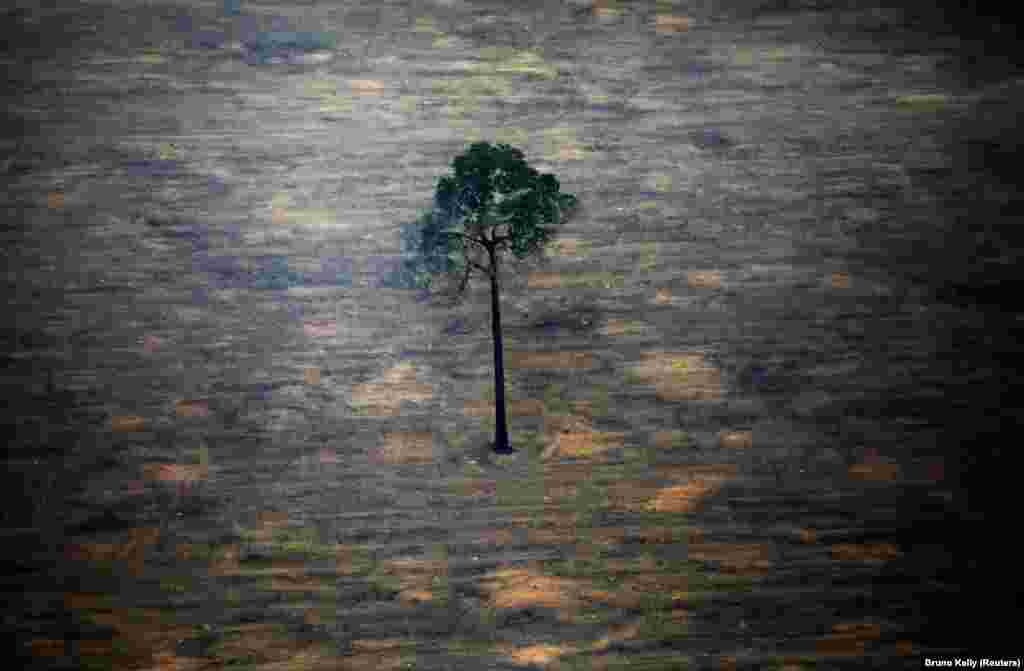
[(465, 280), (482, 243)]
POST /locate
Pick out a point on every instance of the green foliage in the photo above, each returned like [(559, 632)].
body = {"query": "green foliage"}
[(426, 251), (304, 542), (659, 626), (465, 647), (599, 400), (456, 440), (591, 497), (383, 584), (527, 493), (492, 200), (176, 584), (555, 402), (531, 441), (233, 597), (648, 662)]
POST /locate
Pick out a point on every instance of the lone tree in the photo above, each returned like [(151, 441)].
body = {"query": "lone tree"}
[(492, 203)]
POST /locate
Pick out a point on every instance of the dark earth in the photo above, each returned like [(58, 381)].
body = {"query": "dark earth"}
[(760, 385)]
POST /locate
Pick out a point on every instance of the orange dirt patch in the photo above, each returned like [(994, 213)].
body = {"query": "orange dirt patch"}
[(415, 577), (667, 24), (96, 648), (83, 601), (558, 424), (877, 552), (654, 581), (684, 498), (499, 537), (367, 87), (227, 562), (658, 535), (841, 645), (192, 408), (290, 576), (46, 647), (615, 327), (736, 440), (605, 8), (583, 444), (745, 559), (874, 472), (555, 491), (570, 152), (607, 536), (840, 280), (704, 279), (808, 536), (584, 410), (622, 632), (680, 376), (144, 633), (524, 588), (555, 528), (267, 523), (311, 376), (127, 424), (626, 597), (376, 645), (562, 522), (566, 247), (865, 630), (632, 495), (567, 474), (665, 440), (478, 409), (175, 472), (627, 566), (55, 200), (727, 663), (543, 280), (550, 536), (711, 473), (848, 640), (184, 551), (383, 398), (132, 551), (406, 447), (345, 559), (663, 296), (543, 655), (572, 435), (272, 519), (550, 360), (477, 488), (904, 648), (372, 659), (279, 216)]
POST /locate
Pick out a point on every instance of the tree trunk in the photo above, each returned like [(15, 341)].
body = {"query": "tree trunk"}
[(501, 439)]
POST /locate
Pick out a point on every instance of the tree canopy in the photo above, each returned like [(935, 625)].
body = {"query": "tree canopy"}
[(491, 202)]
